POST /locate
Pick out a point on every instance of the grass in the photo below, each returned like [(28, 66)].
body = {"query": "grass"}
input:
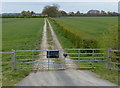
[(66, 43), (110, 75), (50, 42), (95, 27), (19, 34), (28, 30)]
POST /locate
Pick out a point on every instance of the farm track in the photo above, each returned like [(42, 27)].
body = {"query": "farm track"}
[(69, 77), (44, 46), (59, 47)]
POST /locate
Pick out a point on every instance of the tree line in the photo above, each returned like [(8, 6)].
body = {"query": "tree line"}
[(53, 11)]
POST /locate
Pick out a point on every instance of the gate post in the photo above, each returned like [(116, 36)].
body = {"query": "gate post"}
[(108, 59), (33, 59), (14, 59), (64, 60), (48, 64), (93, 58), (79, 57)]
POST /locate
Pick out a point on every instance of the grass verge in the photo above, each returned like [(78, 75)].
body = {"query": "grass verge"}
[(110, 75)]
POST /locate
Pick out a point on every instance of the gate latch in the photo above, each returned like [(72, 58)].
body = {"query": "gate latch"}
[(65, 55)]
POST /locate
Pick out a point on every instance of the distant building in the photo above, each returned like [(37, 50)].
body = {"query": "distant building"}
[(93, 12), (11, 14), (44, 15), (36, 14)]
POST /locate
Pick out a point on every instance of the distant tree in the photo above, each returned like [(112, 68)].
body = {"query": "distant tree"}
[(115, 13), (63, 13), (52, 11), (109, 13), (103, 12), (71, 13), (77, 13), (23, 13), (32, 12), (26, 13)]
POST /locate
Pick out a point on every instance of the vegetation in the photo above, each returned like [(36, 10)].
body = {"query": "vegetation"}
[(108, 74), (19, 34), (99, 27), (65, 42), (110, 38), (51, 11), (103, 29), (79, 39), (50, 42), (92, 26), (27, 13)]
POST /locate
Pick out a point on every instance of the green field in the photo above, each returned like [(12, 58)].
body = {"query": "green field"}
[(94, 26), (19, 34), (88, 32), (26, 33), (103, 29)]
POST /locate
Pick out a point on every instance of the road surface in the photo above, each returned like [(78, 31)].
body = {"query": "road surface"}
[(68, 77)]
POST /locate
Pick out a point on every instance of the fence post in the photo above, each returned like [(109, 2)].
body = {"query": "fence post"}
[(64, 60), (78, 57), (14, 59), (108, 59), (33, 58), (48, 64), (93, 58)]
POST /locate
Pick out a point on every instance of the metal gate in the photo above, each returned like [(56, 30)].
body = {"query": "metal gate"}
[(87, 58), (60, 59), (39, 59)]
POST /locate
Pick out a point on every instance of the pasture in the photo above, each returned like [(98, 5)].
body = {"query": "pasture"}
[(103, 29), (26, 33), (94, 26), (19, 34), (88, 32)]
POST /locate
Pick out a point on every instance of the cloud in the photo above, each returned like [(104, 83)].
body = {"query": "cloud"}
[(60, 0)]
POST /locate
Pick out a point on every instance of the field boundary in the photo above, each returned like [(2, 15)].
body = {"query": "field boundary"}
[(116, 67), (116, 64), (79, 57)]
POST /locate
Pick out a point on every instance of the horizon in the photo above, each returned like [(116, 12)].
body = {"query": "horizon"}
[(37, 7)]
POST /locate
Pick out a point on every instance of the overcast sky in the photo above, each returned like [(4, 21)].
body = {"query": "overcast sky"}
[(16, 6), (60, 0)]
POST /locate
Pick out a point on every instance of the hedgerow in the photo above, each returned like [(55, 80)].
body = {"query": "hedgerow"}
[(79, 39)]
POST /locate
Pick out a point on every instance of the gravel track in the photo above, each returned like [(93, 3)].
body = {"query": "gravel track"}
[(69, 77)]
